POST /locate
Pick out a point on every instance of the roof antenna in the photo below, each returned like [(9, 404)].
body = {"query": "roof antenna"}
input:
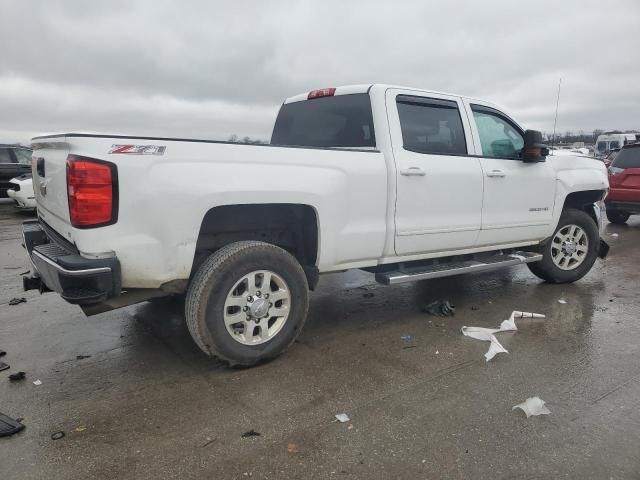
[(555, 121)]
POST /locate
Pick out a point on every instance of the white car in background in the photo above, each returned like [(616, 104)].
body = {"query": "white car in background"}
[(21, 191)]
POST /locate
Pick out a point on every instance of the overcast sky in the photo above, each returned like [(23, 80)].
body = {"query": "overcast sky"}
[(209, 69)]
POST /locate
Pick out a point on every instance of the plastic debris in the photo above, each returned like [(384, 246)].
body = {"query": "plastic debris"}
[(350, 427), (342, 417), (4, 366), (14, 377), (437, 352), (292, 448), (440, 308), (251, 433), (9, 426), (405, 337), (614, 235), (81, 428), (17, 301), (533, 406), (488, 334), (562, 301), (57, 435), (37, 382)]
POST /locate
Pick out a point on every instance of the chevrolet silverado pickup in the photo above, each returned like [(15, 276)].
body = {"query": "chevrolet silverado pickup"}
[(404, 183)]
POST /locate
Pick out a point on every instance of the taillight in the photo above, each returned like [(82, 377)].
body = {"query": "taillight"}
[(323, 92), (92, 192)]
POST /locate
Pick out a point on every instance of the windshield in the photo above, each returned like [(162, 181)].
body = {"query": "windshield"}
[(602, 147), (339, 121), (627, 158)]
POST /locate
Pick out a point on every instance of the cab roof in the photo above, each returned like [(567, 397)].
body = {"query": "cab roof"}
[(366, 88)]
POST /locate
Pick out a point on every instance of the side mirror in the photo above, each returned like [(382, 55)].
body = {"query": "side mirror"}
[(534, 150)]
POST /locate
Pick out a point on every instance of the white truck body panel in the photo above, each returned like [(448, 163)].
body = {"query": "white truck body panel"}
[(369, 211)]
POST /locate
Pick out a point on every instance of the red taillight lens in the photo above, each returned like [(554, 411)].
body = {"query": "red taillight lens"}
[(91, 188), (323, 92)]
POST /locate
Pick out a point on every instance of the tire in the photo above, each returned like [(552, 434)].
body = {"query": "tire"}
[(548, 270), (618, 217), (215, 283)]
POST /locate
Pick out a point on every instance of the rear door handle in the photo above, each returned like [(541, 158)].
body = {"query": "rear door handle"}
[(413, 172), (496, 173)]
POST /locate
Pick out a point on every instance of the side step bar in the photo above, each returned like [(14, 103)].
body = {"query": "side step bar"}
[(413, 273)]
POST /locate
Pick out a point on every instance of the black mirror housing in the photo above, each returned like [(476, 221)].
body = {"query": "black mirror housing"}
[(534, 150)]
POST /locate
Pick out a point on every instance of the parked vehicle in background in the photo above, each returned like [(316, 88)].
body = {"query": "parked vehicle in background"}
[(404, 183), (612, 141), (624, 180), (14, 161), (611, 157), (569, 151), (21, 191)]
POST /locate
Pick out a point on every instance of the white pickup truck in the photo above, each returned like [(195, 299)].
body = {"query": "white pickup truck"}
[(404, 183)]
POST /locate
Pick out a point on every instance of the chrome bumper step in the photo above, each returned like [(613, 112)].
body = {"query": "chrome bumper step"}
[(446, 269)]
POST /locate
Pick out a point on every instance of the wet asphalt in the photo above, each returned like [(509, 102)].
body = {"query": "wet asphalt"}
[(145, 403)]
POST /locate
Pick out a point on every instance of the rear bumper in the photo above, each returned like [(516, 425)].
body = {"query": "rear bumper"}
[(59, 267), (623, 206)]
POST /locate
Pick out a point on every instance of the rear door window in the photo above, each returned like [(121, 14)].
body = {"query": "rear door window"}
[(614, 144), (431, 125), (627, 158), (337, 121)]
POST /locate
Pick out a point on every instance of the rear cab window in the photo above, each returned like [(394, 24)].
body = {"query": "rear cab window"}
[(627, 158), (431, 125), (331, 121)]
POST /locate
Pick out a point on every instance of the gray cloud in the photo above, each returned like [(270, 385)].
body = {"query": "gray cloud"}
[(210, 69)]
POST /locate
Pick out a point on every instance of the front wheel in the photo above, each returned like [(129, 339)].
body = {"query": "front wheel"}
[(571, 251), (247, 303)]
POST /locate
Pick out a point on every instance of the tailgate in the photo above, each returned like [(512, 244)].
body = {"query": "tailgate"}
[(630, 178), (49, 167)]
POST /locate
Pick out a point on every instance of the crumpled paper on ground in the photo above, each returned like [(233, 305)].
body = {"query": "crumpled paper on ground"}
[(533, 406), (488, 334)]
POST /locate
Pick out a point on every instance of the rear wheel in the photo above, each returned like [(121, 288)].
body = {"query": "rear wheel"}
[(247, 303), (571, 251), (616, 216)]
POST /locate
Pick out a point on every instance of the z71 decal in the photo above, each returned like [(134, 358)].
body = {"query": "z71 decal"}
[(138, 149)]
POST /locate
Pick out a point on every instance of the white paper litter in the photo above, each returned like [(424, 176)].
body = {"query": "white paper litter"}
[(342, 417), (37, 382), (614, 235), (487, 334), (562, 301), (533, 406)]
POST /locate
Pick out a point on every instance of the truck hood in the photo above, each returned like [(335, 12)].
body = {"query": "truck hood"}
[(580, 173)]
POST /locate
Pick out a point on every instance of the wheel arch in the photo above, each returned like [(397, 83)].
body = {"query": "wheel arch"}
[(584, 200), (293, 227)]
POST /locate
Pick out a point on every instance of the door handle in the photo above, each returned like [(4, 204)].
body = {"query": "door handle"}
[(496, 173), (413, 172)]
